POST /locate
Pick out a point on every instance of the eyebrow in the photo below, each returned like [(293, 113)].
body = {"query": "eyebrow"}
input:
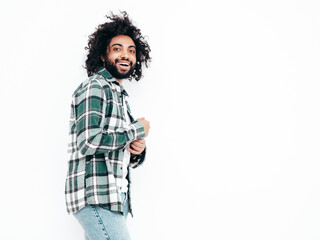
[(118, 44)]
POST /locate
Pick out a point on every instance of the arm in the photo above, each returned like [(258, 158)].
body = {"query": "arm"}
[(93, 137)]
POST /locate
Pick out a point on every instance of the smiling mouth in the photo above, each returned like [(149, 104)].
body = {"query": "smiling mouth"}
[(124, 65)]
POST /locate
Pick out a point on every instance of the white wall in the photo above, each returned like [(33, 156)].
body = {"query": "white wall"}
[(233, 99)]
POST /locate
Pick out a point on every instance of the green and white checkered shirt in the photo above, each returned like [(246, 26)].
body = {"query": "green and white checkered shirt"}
[(99, 135)]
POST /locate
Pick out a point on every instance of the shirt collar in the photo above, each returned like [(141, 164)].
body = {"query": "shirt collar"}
[(104, 72)]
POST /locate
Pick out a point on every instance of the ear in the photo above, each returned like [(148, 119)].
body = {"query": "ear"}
[(103, 58)]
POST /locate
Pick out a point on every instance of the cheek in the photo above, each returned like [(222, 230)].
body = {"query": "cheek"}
[(112, 56), (134, 60)]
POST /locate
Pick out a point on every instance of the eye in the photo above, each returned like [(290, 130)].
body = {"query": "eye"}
[(132, 51), (116, 49)]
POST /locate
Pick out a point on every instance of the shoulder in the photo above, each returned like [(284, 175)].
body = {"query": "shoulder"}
[(92, 86)]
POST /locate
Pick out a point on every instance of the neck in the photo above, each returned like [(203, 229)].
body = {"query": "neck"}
[(119, 80)]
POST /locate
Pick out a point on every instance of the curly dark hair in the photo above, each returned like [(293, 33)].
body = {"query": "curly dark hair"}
[(101, 38)]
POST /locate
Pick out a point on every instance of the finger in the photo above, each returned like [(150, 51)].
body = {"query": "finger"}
[(137, 144), (137, 148), (140, 140), (134, 152)]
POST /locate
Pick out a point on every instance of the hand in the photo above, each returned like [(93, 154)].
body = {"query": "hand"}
[(146, 125), (137, 146)]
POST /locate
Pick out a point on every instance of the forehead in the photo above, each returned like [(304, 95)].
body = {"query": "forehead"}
[(123, 40)]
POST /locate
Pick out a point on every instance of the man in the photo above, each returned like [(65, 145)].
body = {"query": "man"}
[(106, 141)]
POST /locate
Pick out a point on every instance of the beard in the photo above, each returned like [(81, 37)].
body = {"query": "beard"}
[(113, 70)]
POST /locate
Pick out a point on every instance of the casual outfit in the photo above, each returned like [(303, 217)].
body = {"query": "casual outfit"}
[(101, 129)]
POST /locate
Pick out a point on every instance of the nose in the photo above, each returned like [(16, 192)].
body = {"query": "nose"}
[(124, 55)]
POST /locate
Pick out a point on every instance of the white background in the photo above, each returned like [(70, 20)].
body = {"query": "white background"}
[(233, 99)]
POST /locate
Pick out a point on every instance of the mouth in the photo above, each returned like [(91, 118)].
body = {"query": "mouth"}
[(124, 65)]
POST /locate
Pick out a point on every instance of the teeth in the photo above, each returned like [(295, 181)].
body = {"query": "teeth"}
[(124, 64)]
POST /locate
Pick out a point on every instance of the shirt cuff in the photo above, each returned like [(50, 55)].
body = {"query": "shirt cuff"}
[(138, 130)]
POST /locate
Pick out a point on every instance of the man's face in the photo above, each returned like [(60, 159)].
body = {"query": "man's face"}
[(121, 57)]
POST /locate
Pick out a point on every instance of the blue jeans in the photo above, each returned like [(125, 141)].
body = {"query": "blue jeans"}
[(103, 224)]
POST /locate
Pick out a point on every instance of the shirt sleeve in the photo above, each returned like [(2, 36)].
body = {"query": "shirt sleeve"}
[(96, 132)]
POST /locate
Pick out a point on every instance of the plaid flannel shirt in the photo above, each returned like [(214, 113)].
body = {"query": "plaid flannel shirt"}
[(99, 136)]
